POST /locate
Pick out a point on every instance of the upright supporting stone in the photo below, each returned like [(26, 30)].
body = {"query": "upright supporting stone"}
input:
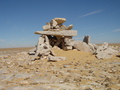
[(47, 40), (40, 41), (69, 43), (86, 39), (59, 40)]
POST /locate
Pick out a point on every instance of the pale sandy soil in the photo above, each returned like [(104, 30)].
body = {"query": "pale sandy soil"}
[(80, 71), (8, 51)]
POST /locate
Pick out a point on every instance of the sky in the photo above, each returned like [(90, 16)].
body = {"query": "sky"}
[(19, 19)]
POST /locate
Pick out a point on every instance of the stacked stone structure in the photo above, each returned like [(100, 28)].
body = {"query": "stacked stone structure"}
[(55, 34)]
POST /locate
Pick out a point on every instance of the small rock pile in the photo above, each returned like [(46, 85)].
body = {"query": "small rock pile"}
[(55, 34)]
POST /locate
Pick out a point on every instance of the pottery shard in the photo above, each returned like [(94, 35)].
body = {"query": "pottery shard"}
[(60, 20), (81, 46), (55, 59), (58, 33)]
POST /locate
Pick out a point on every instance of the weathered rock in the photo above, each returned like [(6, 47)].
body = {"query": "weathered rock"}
[(58, 33), (46, 27), (69, 41), (63, 27), (60, 20), (69, 27), (55, 59), (40, 41), (93, 47), (81, 46), (31, 53), (104, 51), (68, 48), (108, 53), (105, 45), (53, 23), (57, 27), (43, 48), (86, 39)]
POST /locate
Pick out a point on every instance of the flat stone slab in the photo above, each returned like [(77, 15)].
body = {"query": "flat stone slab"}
[(58, 32), (55, 59)]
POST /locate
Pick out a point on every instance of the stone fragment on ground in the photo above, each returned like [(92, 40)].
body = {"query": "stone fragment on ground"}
[(55, 59), (104, 51)]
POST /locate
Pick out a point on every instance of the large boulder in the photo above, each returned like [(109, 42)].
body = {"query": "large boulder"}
[(81, 46), (104, 51), (93, 47)]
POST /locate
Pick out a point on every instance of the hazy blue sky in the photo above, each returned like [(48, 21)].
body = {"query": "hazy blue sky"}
[(19, 19)]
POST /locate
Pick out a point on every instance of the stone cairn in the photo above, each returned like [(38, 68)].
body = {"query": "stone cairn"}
[(55, 34)]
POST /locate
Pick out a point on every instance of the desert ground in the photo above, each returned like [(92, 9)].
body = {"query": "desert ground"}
[(80, 71)]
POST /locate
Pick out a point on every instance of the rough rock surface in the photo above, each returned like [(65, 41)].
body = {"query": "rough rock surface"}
[(60, 20), (58, 33), (80, 71), (104, 51), (81, 46), (86, 39), (55, 59), (46, 27)]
